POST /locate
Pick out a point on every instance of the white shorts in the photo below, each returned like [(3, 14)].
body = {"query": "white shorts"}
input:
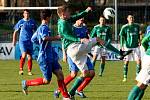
[(99, 51), (78, 53), (136, 54), (144, 74)]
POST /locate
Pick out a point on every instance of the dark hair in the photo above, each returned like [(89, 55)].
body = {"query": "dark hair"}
[(26, 10), (101, 17), (45, 13)]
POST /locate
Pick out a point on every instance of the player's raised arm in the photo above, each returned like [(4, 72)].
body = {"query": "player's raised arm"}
[(80, 15), (54, 38)]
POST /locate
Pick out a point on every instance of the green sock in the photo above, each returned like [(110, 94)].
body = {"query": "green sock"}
[(138, 68), (141, 93), (102, 66), (125, 70), (112, 48), (76, 84), (134, 93)]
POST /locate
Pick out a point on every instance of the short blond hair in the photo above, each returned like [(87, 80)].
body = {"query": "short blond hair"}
[(62, 9)]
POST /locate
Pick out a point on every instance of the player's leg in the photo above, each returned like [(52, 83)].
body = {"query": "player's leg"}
[(87, 79), (79, 80), (137, 92), (29, 56), (103, 53), (94, 59), (138, 66), (60, 80), (23, 56), (110, 47), (73, 73), (22, 62), (126, 63), (125, 70), (137, 57), (95, 52), (46, 68), (102, 66)]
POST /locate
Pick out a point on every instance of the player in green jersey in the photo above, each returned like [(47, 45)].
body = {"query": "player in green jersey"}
[(102, 31), (130, 40), (143, 78), (77, 48)]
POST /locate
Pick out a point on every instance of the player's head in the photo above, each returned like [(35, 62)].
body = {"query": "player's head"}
[(26, 14), (130, 19), (101, 20), (46, 14), (80, 22), (63, 12)]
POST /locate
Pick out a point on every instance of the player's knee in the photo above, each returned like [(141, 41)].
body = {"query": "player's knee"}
[(73, 74), (141, 86), (92, 73), (85, 73), (23, 55), (45, 81)]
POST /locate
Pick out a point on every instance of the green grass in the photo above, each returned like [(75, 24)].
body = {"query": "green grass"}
[(108, 87)]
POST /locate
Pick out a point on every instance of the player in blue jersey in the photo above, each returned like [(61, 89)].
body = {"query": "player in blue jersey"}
[(47, 58), (26, 27), (81, 31)]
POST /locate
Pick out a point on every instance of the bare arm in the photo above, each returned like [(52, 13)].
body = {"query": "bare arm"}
[(14, 38), (54, 38)]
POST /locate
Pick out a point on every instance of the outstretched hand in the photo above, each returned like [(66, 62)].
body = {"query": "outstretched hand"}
[(89, 9)]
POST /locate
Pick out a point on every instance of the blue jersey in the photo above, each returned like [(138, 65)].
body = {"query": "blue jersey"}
[(46, 51), (80, 32), (26, 28)]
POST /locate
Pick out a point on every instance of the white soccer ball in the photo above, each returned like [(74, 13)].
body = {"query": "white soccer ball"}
[(66, 0), (109, 13)]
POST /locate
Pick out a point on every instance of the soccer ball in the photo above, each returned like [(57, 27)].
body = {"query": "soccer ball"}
[(66, 0), (109, 13)]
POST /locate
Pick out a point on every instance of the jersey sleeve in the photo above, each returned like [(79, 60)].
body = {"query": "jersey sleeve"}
[(93, 33), (145, 41), (35, 25), (75, 17), (18, 26), (34, 38), (63, 31), (122, 36), (44, 32)]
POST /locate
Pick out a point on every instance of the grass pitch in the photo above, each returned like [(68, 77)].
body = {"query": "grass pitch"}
[(108, 87)]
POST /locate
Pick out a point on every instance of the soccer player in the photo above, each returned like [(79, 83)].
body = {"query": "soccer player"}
[(143, 78), (102, 31), (81, 31), (130, 40), (47, 58), (26, 27), (78, 48)]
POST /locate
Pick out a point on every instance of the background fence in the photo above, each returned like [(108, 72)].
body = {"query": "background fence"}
[(139, 8)]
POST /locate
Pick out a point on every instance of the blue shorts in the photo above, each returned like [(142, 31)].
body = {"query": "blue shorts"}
[(26, 46), (48, 67), (89, 64), (73, 67)]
